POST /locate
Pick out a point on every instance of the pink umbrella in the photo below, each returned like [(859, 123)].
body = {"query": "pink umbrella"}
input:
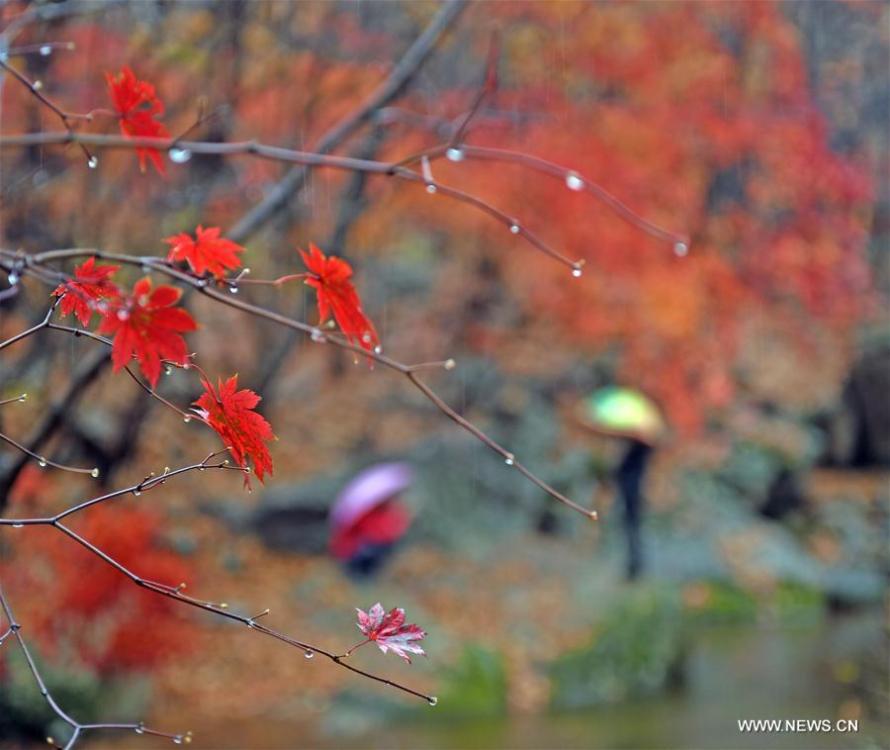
[(369, 489)]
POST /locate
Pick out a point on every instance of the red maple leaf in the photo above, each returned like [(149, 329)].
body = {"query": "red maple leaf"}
[(207, 252), (390, 632), (244, 432), (329, 276), (81, 294), (147, 324), (138, 105)]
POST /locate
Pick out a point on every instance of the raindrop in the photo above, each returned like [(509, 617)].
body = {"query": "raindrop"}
[(233, 289), (18, 525), (140, 728), (46, 50), (431, 189), (13, 278), (41, 462), (450, 364), (37, 85), (433, 700), (168, 370), (576, 272), (95, 473), (454, 154), (23, 397), (680, 249), (509, 459), (137, 493), (317, 336), (186, 419), (180, 155), (308, 654), (93, 162), (515, 228), (378, 349), (574, 181), (366, 337), (177, 740)]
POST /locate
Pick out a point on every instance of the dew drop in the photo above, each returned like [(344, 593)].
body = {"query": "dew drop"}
[(137, 493), (186, 419), (23, 397), (95, 473), (450, 364), (233, 289), (431, 189), (93, 162), (168, 370), (455, 154), (317, 336), (574, 181), (433, 700), (308, 654), (576, 272), (41, 462), (180, 155), (514, 228), (510, 459), (378, 349), (681, 249), (46, 50), (177, 740), (18, 525), (13, 278), (140, 728), (37, 85)]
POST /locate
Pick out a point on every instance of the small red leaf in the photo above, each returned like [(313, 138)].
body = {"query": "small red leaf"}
[(148, 326), (207, 252), (231, 413), (390, 632), (81, 294), (329, 276), (138, 106)]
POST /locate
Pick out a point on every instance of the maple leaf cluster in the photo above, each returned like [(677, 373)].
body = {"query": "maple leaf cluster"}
[(147, 323), (389, 631)]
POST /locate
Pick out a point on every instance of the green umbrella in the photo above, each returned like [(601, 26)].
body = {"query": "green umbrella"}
[(623, 412)]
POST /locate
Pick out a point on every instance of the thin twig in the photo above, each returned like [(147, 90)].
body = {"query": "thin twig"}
[(15, 630), (176, 592)]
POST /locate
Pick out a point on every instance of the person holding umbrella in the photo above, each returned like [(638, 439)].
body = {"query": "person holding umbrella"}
[(367, 518), (632, 416)]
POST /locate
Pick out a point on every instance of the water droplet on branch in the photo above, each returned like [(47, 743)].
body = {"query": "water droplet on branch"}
[(509, 459), (515, 228), (574, 181), (308, 654), (179, 155), (455, 154), (681, 249), (93, 162), (46, 50), (433, 700)]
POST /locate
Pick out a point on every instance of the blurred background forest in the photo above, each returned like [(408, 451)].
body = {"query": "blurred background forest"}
[(758, 129)]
